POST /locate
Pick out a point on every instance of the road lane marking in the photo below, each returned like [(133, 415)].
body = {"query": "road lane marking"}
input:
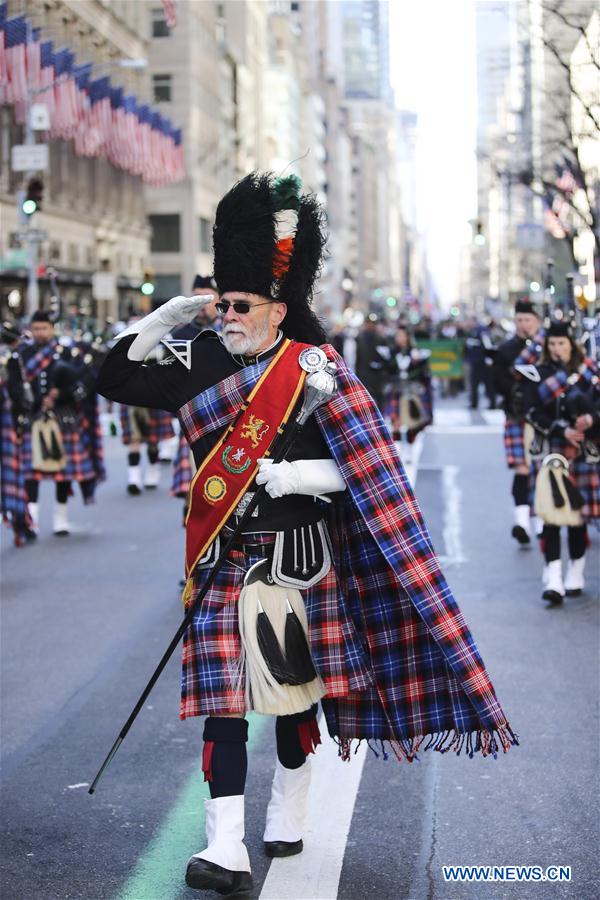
[(315, 873), (452, 527)]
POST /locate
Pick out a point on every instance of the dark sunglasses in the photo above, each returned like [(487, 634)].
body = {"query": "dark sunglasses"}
[(241, 307)]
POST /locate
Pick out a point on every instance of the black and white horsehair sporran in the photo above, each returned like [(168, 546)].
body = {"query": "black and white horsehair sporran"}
[(280, 677), (557, 500)]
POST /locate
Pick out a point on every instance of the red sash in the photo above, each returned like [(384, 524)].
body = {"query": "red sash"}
[(230, 467)]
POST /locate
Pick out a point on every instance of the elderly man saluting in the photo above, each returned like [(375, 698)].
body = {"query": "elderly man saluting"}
[(332, 591)]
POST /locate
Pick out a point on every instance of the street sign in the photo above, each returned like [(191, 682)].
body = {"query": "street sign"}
[(14, 259), (39, 117), (104, 286), (37, 235), (29, 157)]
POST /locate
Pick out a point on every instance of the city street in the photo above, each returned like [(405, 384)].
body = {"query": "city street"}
[(86, 618)]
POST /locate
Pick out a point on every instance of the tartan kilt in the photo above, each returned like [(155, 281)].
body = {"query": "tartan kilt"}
[(211, 645), (76, 441), (182, 470), (514, 444), (391, 405), (585, 476), (13, 497), (160, 426)]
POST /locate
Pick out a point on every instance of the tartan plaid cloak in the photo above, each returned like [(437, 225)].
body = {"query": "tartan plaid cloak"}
[(160, 426), (413, 675)]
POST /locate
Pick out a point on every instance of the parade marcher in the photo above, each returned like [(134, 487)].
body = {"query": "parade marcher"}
[(16, 404), (373, 355), (409, 401), (391, 656), (479, 351), (565, 416), (514, 388), (144, 426), (62, 441)]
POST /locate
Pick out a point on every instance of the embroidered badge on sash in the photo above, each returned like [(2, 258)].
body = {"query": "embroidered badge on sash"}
[(235, 462), (255, 429), (214, 489)]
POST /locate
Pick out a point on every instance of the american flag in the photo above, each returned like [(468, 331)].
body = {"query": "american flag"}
[(99, 119), (556, 218), (170, 13), (565, 180)]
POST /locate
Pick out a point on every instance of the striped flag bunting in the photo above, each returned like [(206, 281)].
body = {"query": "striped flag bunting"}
[(170, 13), (99, 118)]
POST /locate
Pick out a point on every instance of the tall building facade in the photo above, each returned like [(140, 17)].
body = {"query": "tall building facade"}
[(93, 214)]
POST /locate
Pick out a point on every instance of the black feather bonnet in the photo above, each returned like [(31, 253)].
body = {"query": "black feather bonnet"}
[(269, 239)]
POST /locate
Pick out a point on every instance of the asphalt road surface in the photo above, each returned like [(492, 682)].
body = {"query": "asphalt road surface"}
[(86, 618)]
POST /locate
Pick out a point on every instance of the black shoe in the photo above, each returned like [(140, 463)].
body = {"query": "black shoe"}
[(133, 489), (552, 598), (520, 534), (573, 592), (208, 876), (283, 848)]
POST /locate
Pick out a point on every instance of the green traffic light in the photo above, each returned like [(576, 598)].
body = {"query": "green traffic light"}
[(391, 301), (29, 207), (147, 288)]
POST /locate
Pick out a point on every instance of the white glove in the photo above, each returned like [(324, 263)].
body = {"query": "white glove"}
[(150, 329), (303, 476)]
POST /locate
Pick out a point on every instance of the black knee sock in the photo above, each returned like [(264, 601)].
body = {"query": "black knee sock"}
[(63, 491), (224, 759), (296, 736), (577, 541), (152, 454), (133, 459), (520, 490), (551, 542), (32, 486)]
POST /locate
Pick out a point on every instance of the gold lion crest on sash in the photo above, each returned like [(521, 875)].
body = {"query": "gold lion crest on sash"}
[(255, 429)]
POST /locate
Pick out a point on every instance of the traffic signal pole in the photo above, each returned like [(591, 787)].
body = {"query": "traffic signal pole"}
[(33, 290)]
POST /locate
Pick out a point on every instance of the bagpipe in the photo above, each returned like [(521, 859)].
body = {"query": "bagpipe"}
[(409, 385)]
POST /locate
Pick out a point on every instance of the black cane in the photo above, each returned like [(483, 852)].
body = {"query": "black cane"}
[(319, 388)]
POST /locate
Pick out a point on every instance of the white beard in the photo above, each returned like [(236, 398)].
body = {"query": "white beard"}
[(247, 341)]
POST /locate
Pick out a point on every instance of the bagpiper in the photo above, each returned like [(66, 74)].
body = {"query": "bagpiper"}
[(409, 400), (521, 350), (62, 440), (566, 466), (332, 591)]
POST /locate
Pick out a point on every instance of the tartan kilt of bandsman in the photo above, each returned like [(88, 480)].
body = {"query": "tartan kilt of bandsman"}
[(12, 472), (157, 426), (78, 437), (514, 443)]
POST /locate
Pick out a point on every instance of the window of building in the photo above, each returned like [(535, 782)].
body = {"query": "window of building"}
[(161, 86), (166, 286), (165, 234), (73, 254), (90, 256), (55, 251), (204, 233), (159, 26)]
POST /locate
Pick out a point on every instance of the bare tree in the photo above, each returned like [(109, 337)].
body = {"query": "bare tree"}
[(560, 173)]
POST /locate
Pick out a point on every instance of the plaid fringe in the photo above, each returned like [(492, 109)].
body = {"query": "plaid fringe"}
[(488, 743)]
